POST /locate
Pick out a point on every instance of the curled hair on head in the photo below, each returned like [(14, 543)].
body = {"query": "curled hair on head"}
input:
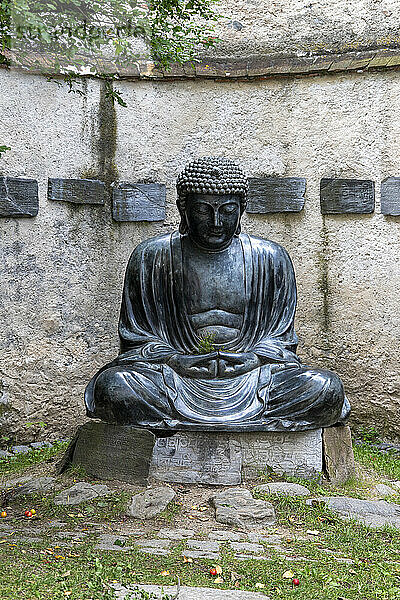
[(210, 175)]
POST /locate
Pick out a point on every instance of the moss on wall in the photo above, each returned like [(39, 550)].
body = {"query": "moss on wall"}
[(323, 281)]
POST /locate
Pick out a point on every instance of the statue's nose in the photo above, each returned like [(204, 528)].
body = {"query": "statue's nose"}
[(217, 218)]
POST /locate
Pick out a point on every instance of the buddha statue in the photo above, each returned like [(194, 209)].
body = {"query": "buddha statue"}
[(207, 326)]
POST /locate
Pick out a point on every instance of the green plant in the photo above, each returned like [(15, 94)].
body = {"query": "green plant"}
[(4, 149), (206, 343), (76, 471), (369, 434), (383, 463), (72, 33), (40, 424), (171, 512), (20, 462), (5, 441)]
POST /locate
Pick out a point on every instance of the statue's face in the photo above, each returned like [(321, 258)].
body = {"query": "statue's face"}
[(212, 220)]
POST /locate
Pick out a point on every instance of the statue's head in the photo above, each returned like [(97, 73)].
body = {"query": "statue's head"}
[(212, 194)]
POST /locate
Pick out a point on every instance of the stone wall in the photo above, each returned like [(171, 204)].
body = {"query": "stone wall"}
[(62, 271), (303, 26)]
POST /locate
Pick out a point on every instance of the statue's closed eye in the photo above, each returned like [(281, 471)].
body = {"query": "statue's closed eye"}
[(228, 209)]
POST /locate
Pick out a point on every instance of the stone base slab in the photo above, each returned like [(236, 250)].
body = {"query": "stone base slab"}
[(338, 454), (109, 452), (227, 458), (133, 454)]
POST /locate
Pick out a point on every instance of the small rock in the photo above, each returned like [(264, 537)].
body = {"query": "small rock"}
[(73, 535), (156, 547), (39, 445), (176, 534), (150, 503), (13, 483), (20, 449), (238, 508), (283, 488), (154, 542), (27, 538), (250, 557), (154, 551), (247, 547), (200, 554), (382, 489), (81, 492), (273, 539), (25, 486), (227, 536), (5, 454), (375, 513), (113, 542), (186, 593), (203, 545)]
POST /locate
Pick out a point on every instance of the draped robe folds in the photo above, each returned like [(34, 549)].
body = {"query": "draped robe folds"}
[(140, 388)]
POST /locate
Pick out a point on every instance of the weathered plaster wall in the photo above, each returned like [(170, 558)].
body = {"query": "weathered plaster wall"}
[(298, 26), (62, 272)]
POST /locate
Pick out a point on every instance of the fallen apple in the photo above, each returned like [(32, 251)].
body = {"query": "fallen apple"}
[(213, 572), (3, 514), (28, 513), (295, 581)]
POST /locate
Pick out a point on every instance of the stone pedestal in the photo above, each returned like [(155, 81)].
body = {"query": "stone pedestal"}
[(338, 454), (227, 458), (133, 454), (111, 452), (198, 457)]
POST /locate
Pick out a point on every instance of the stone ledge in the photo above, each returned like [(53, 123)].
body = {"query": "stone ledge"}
[(133, 454), (229, 68)]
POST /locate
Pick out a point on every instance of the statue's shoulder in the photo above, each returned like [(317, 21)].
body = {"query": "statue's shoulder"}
[(152, 245), (264, 246)]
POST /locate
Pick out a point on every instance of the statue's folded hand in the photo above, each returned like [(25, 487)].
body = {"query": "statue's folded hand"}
[(231, 364), (203, 366)]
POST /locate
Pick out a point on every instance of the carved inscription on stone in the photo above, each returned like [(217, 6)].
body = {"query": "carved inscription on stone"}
[(77, 191), (222, 458), (18, 197), (390, 196), (276, 194), (114, 452), (196, 457), (296, 453), (347, 196), (139, 202)]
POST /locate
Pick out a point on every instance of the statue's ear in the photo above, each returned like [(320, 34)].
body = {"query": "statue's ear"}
[(183, 226), (239, 227)]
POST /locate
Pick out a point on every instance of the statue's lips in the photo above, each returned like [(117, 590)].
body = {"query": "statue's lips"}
[(216, 233)]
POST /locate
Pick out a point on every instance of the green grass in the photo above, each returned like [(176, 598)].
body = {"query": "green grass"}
[(21, 462), (28, 573), (384, 464), (31, 571), (104, 508), (171, 513)]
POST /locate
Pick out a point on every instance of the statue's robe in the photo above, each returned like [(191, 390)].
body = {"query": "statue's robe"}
[(139, 388)]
